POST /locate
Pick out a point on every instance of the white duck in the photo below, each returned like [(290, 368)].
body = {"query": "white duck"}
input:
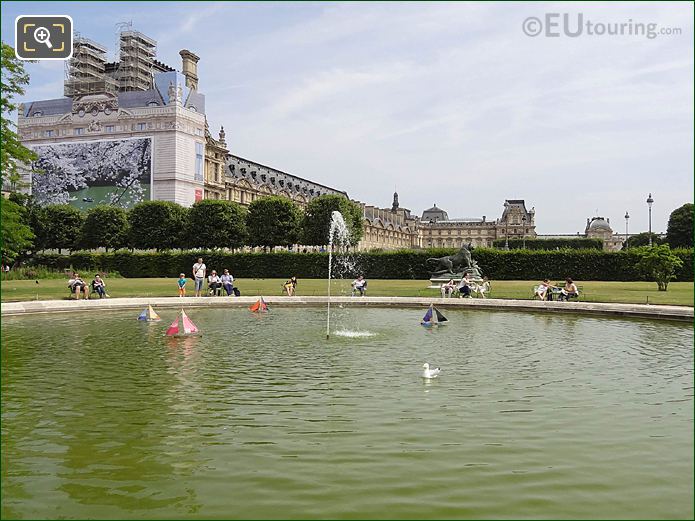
[(429, 373)]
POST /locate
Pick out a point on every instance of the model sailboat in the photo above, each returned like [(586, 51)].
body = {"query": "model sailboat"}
[(149, 314), (259, 306), (433, 317), (182, 326)]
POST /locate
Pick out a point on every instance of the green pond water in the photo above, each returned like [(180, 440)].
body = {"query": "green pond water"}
[(534, 416)]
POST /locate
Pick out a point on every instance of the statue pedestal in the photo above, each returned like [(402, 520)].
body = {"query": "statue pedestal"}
[(437, 281)]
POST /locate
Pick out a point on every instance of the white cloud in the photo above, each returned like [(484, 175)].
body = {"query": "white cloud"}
[(449, 101)]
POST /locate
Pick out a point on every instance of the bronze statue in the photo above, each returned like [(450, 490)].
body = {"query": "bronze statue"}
[(456, 264)]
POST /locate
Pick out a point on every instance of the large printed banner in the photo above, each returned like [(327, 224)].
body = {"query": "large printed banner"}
[(85, 174)]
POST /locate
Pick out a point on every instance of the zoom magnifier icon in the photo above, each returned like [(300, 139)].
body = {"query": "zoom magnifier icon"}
[(42, 35)]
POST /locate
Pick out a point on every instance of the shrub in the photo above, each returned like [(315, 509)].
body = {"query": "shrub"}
[(578, 243), (404, 264)]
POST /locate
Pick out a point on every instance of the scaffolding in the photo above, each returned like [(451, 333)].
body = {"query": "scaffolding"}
[(85, 71), (132, 69), (136, 61)]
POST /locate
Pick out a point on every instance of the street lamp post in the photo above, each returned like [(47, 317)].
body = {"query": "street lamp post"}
[(505, 216), (649, 203), (627, 236), (523, 231)]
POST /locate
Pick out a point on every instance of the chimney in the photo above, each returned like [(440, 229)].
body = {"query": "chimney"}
[(190, 68)]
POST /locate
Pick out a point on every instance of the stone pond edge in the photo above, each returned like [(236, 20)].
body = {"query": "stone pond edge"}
[(650, 311)]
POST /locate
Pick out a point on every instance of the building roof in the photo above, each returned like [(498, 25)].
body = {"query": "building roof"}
[(139, 98), (600, 224), (298, 183), (197, 101), (49, 107), (434, 214)]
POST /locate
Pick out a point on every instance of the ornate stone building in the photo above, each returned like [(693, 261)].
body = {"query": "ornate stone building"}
[(215, 165), (246, 181), (437, 230), (396, 228), (596, 228), (600, 228), (106, 103), (388, 228)]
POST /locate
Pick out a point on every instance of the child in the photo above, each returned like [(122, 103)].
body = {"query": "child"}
[(182, 285)]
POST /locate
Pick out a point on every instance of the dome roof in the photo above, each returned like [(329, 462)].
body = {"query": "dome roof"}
[(600, 224), (435, 214)]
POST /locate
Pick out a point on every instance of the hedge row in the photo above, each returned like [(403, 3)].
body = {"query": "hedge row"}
[(406, 264), (574, 243)]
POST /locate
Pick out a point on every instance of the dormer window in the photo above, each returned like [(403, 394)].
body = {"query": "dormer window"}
[(153, 104), (38, 114)]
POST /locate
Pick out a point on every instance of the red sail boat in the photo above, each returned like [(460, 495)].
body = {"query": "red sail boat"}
[(259, 306)]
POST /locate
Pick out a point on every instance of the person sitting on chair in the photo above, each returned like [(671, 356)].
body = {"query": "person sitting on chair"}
[(359, 285), (484, 288), (77, 285), (290, 286), (569, 291), (448, 288), (465, 286), (214, 284), (227, 282), (544, 290), (99, 286)]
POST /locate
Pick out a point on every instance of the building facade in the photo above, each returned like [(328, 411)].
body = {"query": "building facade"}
[(388, 228), (600, 228), (246, 181), (395, 227), (596, 228), (106, 107)]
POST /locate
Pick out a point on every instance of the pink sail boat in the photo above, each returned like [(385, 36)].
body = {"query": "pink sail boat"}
[(182, 326)]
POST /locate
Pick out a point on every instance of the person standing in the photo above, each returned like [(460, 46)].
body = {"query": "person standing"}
[(199, 273), (182, 285)]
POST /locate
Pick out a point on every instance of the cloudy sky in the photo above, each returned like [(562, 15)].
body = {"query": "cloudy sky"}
[(448, 102)]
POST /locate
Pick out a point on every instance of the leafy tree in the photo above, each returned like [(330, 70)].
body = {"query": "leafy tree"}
[(17, 236), (12, 152), (56, 226), (273, 221), (105, 227), (642, 239), (318, 214), (659, 264), (216, 224), (679, 233), (156, 224)]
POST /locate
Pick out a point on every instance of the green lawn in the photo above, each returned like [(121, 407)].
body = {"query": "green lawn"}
[(679, 293)]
